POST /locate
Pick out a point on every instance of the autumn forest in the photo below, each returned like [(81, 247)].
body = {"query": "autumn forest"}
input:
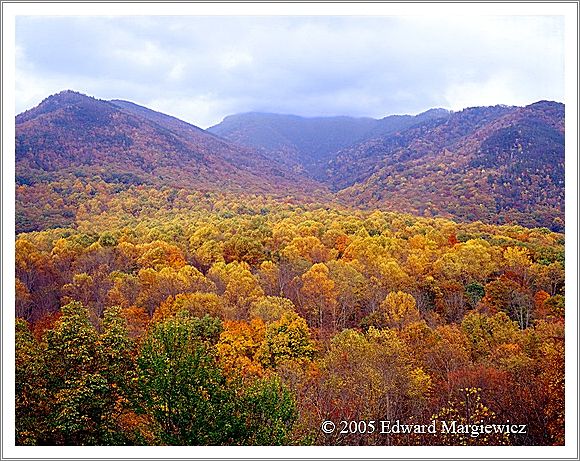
[(239, 286)]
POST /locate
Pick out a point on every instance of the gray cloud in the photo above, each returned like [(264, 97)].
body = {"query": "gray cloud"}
[(203, 68)]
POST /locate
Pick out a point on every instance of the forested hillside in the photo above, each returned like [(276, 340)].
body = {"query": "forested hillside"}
[(492, 164), (116, 145), (311, 142), (496, 164)]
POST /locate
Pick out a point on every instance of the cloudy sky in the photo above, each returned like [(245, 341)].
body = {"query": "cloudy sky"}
[(202, 68)]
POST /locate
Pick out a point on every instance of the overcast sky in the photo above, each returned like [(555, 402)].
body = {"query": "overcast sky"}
[(203, 68)]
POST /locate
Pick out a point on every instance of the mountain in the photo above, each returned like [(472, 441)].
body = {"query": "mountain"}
[(70, 132), (496, 164), (72, 136), (311, 142), (499, 164)]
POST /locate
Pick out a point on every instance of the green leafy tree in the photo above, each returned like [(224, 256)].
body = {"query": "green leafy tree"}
[(474, 292), (179, 386), (83, 404), (190, 402), (269, 412), (30, 381), (116, 356)]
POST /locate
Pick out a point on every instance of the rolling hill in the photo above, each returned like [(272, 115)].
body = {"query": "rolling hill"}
[(71, 132), (495, 164)]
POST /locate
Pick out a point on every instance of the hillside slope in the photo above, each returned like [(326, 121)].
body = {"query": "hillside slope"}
[(70, 131), (496, 164), (311, 142), (70, 136)]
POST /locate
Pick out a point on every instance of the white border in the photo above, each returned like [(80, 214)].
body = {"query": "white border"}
[(10, 10), (571, 210), (429, 9)]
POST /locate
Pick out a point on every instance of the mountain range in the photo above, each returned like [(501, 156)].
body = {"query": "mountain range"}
[(499, 164), (70, 133), (312, 142)]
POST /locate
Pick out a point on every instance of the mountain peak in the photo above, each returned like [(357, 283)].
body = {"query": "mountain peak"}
[(66, 98), (545, 103), (63, 100), (435, 112)]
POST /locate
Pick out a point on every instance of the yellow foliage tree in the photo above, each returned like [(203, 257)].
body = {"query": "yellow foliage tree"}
[(196, 304), (399, 309), (269, 277), (518, 261), (286, 339), (318, 294), (270, 308), (239, 346), (159, 254)]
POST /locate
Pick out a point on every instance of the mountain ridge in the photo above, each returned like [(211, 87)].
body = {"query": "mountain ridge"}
[(493, 163), (310, 142), (508, 165), (70, 117)]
